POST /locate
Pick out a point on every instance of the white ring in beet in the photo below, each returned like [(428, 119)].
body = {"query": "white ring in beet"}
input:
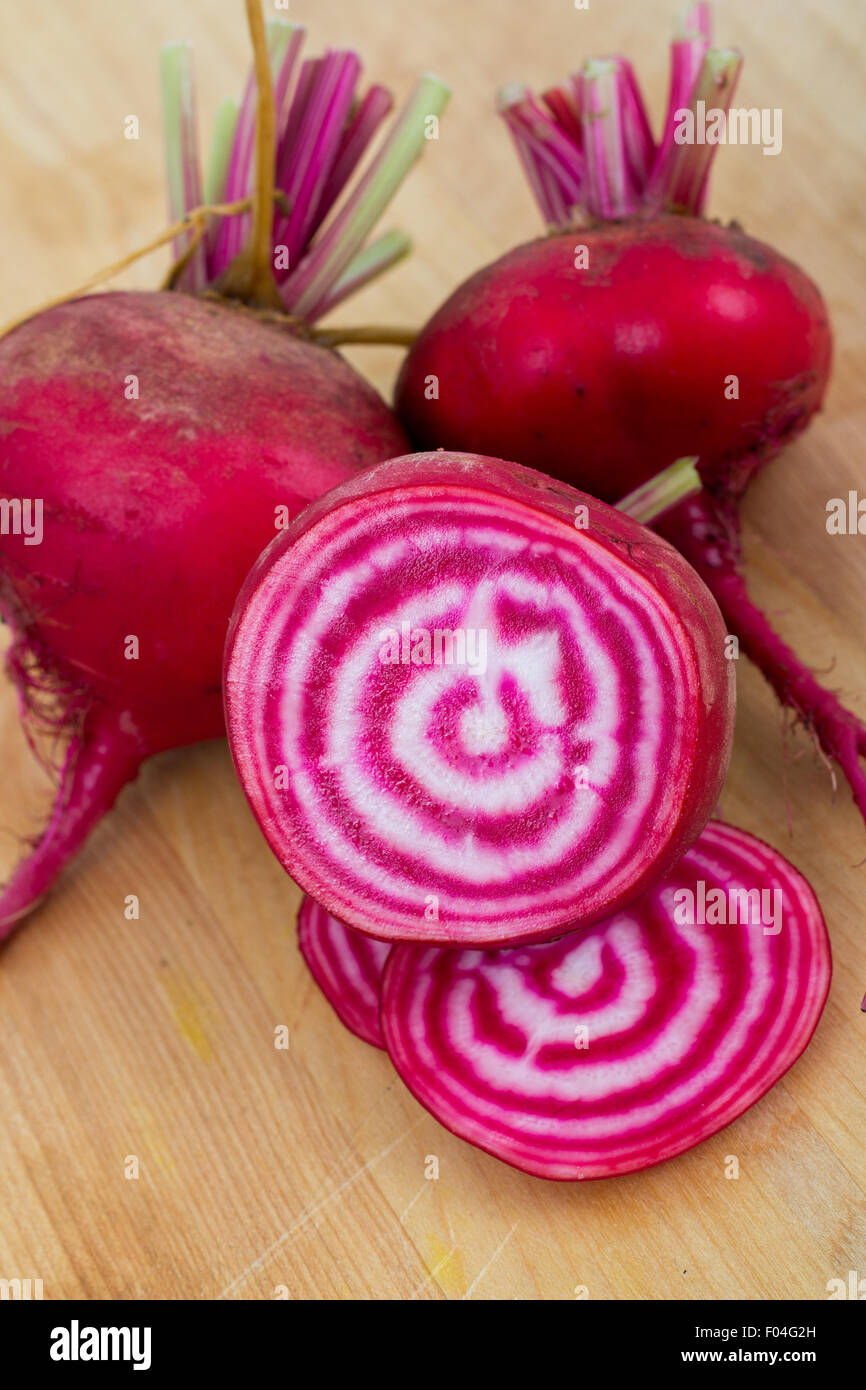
[(685, 1026), (566, 755), (347, 966)]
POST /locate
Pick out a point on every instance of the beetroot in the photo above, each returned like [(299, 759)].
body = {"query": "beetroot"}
[(602, 351), (623, 1045), (471, 705), (347, 966), (154, 510), (162, 438)]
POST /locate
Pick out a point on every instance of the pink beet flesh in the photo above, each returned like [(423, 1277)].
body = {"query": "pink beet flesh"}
[(625, 1044), (475, 801), (155, 506), (347, 966)]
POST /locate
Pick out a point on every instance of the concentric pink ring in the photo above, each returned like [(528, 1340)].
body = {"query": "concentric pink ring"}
[(686, 1025), (470, 801), (347, 966)]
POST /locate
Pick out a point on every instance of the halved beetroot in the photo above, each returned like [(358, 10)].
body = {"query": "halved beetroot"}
[(473, 706)]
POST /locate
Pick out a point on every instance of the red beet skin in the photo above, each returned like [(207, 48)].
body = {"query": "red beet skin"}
[(623, 1045), (510, 800), (604, 375), (154, 510)]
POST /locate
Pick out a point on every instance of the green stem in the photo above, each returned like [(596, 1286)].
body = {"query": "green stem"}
[(379, 256), (225, 121), (181, 152), (370, 334), (673, 485)]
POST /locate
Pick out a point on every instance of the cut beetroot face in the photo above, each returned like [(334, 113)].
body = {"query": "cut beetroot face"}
[(471, 705), (626, 1043), (347, 966)]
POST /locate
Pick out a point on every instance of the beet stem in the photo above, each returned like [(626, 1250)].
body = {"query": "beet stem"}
[(694, 21), (666, 490), (216, 172), (549, 146), (310, 285), (705, 530), (610, 190), (251, 275), (181, 150), (374, 106), (305, 167), (680, 181), (591, 152), (692, 37), (380, 255), (369, 334)]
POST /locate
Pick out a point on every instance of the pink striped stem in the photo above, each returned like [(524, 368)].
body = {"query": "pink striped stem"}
[(284, 43), (563, 103), (692, 38), (611, 191), (680, 180), (323, 213), (638, 142), (555, 168), (307, 161), (309, 286), (239, 173), (376, 104), (589, 150), (285, 48)]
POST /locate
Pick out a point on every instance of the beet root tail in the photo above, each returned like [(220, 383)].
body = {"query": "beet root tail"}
[(100, 760), (706, 531)]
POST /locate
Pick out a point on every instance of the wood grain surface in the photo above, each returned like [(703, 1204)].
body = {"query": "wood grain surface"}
[(305, 1168)]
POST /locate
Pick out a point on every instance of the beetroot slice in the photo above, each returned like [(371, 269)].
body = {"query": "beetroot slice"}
[(544, 778), (347, 966), (687, 1026)]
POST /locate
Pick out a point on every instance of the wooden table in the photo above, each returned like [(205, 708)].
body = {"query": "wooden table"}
[(305, 1168)]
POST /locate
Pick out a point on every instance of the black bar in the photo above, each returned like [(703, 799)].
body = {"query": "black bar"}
[(256, 1338)]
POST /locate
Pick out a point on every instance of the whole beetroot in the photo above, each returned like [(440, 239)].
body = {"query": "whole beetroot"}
[(154, 508), (156, 440)]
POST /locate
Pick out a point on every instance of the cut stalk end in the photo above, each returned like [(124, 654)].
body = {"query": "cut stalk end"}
[(588, 151), (681, 178), (666, 490)]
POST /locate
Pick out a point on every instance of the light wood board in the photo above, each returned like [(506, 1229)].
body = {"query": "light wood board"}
[(305, 1168)]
